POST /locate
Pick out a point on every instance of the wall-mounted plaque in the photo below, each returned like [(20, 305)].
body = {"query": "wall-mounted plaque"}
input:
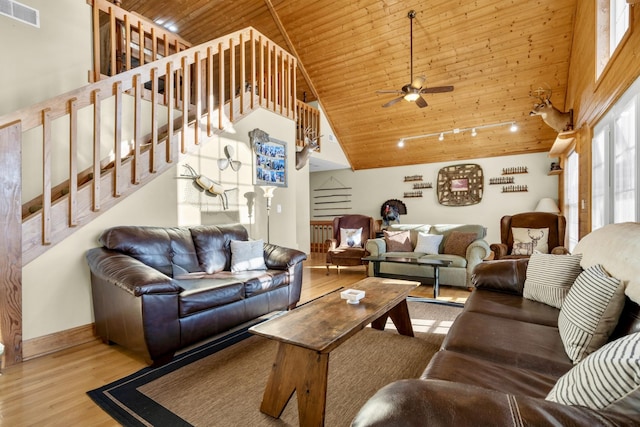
[(460, 185)]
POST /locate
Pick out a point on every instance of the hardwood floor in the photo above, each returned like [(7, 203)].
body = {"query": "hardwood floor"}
[(51, 390)]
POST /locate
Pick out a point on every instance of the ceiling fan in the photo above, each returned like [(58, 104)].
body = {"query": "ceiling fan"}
[(412, 91)]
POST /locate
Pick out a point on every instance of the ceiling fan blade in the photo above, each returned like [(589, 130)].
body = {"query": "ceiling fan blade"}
[(399, 92), (420, 102), (393, 101), (418, 82), (438, 89)]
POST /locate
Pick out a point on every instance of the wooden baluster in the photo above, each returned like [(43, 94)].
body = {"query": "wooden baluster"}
[(243, 76), (220, 86), (186, 86), (141, 40), (127, 46), (209, 91), (73, 162), (137, 128), (113, 44), (232, 78), (254, 86), (154, 121), (169, 91), (46, 176), (117, 138), (96, 42), (198, 97), (96, 151)]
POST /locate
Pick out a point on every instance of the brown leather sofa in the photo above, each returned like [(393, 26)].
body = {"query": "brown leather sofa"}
[(503, 353), (157, 290)]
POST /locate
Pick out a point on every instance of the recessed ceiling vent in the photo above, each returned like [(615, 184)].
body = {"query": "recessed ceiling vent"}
[(20, 12)]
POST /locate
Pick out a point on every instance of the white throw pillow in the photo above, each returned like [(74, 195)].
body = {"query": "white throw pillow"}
[(608, 378), (590, 312), (350, 237), (529, 240), (549, 277), (247, 255), (428, 243)]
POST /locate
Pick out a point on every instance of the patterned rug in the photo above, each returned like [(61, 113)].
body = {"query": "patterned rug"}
[(221, 383)]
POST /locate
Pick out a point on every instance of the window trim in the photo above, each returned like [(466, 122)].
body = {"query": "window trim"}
[(613, 56)]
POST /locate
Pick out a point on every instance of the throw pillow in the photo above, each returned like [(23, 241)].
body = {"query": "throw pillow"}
[(428, 243), (351, 237), (549, 277), (608, 378), (458, 242), (247, 255), (398, 241), (529, 240), (590, 312)]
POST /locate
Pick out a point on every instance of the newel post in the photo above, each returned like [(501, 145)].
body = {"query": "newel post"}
[(11, 243)]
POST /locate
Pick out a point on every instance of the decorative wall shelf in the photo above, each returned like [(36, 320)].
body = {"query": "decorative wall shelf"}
[(413, 194), (555, 172), (515, 189), (515, 170), (423, 185), (413, 178), (563, 144), (502, 180)]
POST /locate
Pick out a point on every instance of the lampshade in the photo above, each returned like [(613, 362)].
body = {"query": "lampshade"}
[(547, 204)]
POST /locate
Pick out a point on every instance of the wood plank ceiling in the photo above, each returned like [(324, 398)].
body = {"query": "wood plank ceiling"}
[(494, 52)]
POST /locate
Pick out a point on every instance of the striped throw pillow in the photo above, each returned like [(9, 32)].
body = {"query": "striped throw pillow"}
[(549, 277), (590, 312), (608, 378)]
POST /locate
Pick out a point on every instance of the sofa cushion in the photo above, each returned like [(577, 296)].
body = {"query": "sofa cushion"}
[(212, 245), (457, 243), (428, 243), (204, 293), (247, 255), (607, 379), (526, 241), (350, 237), (398, 241), (511, 306), (549, 277), (466, 369), (511, 342), (590, 312), (257, 281)]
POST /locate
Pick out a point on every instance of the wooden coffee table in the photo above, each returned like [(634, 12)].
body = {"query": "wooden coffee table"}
[(309, 333)]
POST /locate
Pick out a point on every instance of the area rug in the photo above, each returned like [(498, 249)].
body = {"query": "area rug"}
[(221, 383)]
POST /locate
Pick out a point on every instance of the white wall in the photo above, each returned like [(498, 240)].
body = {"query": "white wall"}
[(371, 188), (40, 63), (56, 287)]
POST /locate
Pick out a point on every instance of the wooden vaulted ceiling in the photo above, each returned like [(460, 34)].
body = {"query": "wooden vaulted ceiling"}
[(494, 52)]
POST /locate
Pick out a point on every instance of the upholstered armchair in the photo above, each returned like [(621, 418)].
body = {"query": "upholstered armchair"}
[(350, 235), (523, 233)]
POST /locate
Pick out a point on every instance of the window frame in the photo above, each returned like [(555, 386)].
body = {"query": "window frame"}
[(603, 37)]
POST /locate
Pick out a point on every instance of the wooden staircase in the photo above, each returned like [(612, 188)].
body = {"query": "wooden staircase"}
[(134, 125)]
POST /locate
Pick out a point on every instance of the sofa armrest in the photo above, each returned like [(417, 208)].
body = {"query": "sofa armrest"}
[(438, 403), (477, 251), (505, 275), (499, 249), (376, 246), (126, 272), (281, 258)]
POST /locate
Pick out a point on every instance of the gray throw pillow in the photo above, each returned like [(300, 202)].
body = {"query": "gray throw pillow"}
[(549, 277), (247, 255), (590, 312)]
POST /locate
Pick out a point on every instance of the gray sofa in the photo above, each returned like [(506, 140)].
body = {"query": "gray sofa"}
[(457, 274)]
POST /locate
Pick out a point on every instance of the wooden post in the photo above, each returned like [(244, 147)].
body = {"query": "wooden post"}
[(11, 247)]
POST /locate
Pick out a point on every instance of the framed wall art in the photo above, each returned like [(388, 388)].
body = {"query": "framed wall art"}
[(460, 185), (269, 159)]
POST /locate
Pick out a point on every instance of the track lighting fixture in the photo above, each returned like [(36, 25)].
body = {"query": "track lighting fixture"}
[(513, 127)]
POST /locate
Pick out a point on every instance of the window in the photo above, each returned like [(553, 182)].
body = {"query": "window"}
[(614, 165), (570, 208), (612, 23)]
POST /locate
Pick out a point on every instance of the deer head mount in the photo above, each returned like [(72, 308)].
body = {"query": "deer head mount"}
[(310, 144), (557, 120)]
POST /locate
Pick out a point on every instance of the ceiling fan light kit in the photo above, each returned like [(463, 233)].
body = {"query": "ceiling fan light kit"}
[(412, 92)]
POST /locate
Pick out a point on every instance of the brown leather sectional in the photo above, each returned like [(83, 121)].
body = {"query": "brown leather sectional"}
[(501, 357), (157, 290)]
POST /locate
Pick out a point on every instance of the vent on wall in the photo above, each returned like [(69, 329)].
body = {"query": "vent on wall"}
[(20, 12)]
